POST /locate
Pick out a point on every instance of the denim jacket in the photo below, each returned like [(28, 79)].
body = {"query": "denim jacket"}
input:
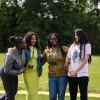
[(39, 63)]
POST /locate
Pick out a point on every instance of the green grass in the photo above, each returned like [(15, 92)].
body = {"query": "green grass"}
[(94, 74), (46, 97)]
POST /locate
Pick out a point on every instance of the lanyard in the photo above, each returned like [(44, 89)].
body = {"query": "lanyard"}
[(19, 56), (54, 53), (32, 53)]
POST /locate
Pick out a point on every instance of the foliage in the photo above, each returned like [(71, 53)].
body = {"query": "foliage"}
[(47, 16)]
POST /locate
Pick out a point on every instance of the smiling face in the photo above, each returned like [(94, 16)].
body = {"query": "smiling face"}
[(33, 40), (54, 40), (76, 38)]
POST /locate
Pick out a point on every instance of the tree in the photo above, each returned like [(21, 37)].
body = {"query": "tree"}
[(49, 16)]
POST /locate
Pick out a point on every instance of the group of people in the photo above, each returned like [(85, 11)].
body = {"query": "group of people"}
[(65, 64)]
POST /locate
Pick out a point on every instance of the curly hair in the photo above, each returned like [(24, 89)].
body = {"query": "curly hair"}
[(28, 37)]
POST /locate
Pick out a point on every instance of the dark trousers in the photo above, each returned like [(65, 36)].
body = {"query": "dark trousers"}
[(10, 84), (82, 82)]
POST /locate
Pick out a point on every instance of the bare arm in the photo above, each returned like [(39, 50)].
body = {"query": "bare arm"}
[(43, 61), (66, 65), (81, 65), (67, 62), (43, 58)]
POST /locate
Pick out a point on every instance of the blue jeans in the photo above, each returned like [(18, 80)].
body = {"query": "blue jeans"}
[(57, 85)]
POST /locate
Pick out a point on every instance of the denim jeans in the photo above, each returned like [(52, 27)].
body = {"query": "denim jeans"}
[(10, 84), (57, 86)]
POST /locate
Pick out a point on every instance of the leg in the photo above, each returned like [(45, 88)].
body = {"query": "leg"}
[(73, 88), (31, 81), (83, 86), (16, 84), (61, 86), (2, 97), (8, 83), (52, 88)]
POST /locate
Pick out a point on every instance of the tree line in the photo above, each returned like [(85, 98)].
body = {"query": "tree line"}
[(44, 17)]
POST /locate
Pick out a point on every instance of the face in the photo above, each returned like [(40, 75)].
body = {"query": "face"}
[(33, 40), (23, 44), (53, 40), (76, 38)]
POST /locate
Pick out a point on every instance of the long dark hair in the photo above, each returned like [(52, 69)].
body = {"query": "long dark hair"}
[(82, 40), (28, 37), (59, 43)]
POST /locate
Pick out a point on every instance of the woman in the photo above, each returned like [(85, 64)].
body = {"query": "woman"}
[(13, 66), (79, 55), (55, 55), (33, 65)]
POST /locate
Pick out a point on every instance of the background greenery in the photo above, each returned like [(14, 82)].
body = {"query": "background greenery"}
[(17, 17)]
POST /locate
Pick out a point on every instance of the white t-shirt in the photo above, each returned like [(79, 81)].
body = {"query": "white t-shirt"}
[(73, 54)]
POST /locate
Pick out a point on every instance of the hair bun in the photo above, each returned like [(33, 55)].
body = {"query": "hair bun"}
[(12, 39)]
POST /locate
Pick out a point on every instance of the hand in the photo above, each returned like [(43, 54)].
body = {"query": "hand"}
[(23, 68), (73, 73), (10, 50), (46, 47), (70, 71)]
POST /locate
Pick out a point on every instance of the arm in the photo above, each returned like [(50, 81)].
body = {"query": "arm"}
[(81, 65), (8, 64), (66, 65), (43, 61), (43, 58), (67, 62), (85, 60)]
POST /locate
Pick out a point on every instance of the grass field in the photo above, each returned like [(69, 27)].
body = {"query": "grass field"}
[(45, 97), (94, 74)]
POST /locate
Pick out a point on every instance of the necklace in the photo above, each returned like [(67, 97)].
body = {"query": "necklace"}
[(54, 53)]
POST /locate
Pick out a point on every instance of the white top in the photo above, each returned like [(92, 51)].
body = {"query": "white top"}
[(73, 54)]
